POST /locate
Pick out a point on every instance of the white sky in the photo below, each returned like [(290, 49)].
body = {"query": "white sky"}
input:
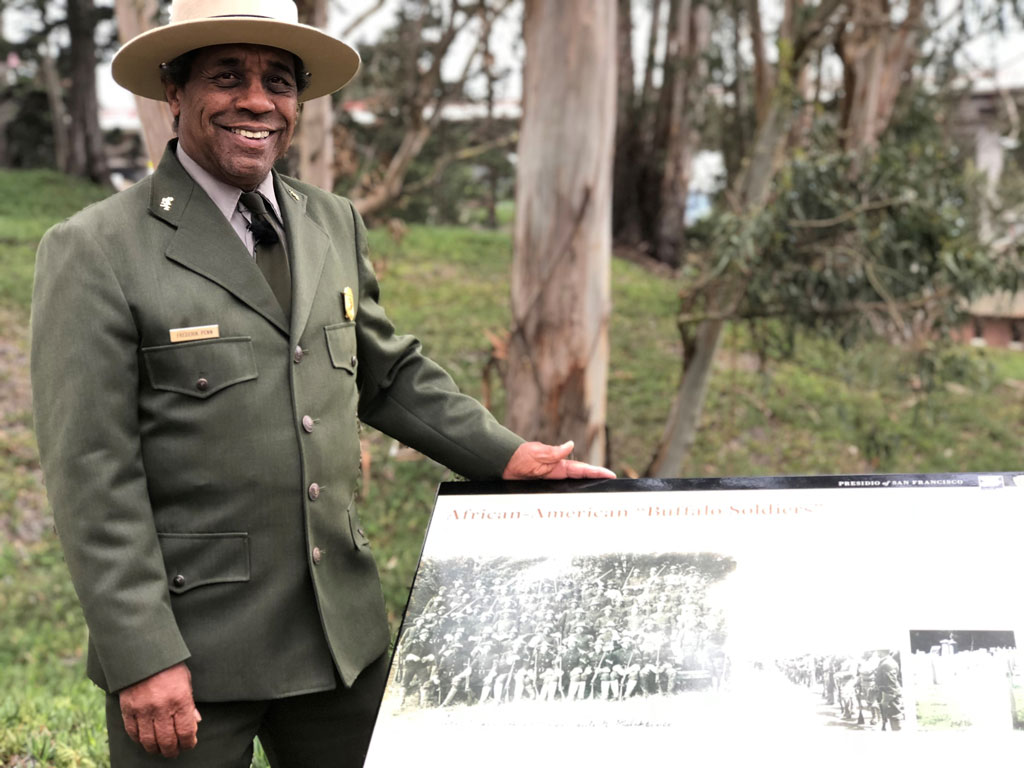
[(990, 60)]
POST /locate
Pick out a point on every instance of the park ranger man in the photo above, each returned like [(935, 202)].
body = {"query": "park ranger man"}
[(204, 345)]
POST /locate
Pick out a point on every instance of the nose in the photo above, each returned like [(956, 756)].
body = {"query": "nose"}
[(253, 97)]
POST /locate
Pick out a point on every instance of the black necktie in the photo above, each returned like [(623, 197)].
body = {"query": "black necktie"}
[(271, 257)]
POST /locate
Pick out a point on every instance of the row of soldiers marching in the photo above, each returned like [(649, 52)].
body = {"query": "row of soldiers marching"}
[(868, 689)]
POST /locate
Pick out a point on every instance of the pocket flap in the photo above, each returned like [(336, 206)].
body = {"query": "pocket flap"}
[(341, 344), (195, 559), (200, 368)]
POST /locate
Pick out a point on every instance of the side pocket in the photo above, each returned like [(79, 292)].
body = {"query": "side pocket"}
[(197, 559)]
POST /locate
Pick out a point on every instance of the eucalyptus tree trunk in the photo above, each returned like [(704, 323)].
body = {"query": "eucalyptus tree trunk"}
[(86, 152), (55, 99), (876, 52), (625, 206), (314, 136), (686, 41), (752, 190), (558, 353), (134, 17), (799, 40)]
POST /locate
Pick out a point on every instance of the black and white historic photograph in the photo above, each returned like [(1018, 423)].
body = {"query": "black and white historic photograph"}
[(603, 628), (966, 679), (852, 691)]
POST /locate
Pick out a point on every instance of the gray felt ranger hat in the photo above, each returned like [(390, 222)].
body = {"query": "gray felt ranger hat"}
[(201, 23)]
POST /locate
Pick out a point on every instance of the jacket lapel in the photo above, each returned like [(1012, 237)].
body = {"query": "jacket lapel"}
[(307, 252), (205, 242)]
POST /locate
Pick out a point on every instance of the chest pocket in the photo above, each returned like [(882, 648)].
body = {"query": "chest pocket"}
[(200, 368), (341, 344)]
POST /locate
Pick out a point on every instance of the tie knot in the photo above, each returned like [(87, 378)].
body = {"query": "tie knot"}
[(254, 202)]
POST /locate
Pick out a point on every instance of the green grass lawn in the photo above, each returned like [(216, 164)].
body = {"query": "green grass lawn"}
[(822, 410)]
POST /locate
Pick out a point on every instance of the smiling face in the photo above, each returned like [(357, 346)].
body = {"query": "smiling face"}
[(236, 114)]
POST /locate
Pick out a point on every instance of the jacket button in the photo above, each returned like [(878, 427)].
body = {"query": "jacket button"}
[(314, 491), (317, 555), (307, 423), (354, 361), (298, 355), (178, 581), (202, 385)]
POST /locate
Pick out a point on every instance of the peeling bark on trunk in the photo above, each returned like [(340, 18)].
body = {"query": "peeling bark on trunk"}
[(134, 17), (558, 353)]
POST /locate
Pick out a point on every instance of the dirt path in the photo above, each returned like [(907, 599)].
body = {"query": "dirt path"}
[(23, 513)]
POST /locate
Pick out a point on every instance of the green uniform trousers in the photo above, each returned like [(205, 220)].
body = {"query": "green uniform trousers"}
[(328, 729)]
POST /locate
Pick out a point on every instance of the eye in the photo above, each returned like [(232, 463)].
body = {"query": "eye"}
[(279, 84), (225, 78)]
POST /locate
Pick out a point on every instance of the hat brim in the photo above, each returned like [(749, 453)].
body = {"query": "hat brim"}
[(330, 62)]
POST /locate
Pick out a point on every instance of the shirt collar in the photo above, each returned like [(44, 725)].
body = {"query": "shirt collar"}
[(225, 196)]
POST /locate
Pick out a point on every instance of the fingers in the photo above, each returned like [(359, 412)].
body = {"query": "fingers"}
[(552, 462), (147, 737), (159, 712), (131, 725), (167, 735), (578, 470), (186, 728)]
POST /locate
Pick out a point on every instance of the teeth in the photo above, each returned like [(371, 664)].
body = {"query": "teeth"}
[(251, 134)]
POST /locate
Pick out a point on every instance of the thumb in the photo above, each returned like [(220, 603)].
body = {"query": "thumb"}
[(560, 452)]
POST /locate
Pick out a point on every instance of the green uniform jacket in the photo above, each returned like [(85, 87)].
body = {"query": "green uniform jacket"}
[(204, 491)]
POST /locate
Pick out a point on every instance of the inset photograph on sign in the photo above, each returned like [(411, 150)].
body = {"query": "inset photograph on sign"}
[(856, 691), (589, 632), (965, 679)]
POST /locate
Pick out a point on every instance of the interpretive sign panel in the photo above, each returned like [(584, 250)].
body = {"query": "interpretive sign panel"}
[(800, 621)]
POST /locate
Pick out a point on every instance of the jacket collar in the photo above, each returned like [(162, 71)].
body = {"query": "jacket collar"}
[(206, 244), (308, 244)]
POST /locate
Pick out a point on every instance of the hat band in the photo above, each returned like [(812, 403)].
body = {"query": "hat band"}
[(241, 16)]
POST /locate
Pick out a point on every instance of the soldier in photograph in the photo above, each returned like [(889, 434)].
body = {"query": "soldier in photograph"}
[(418, 663), (889, 682)]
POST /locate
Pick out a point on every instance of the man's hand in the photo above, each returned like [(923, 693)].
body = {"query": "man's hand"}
[(159, 712), (537, 461)]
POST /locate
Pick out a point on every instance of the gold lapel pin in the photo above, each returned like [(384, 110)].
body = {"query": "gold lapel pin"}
[(294, 195), (350, 303), (166, 203)]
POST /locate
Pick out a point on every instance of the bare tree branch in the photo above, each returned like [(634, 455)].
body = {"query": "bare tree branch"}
[(871, 205), (442, 163), (359, 20)]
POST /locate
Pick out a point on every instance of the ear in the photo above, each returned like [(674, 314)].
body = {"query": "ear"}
[(173, 95)]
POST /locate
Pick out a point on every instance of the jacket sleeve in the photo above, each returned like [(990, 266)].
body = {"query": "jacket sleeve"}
[(85, 380), (410, 397)]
